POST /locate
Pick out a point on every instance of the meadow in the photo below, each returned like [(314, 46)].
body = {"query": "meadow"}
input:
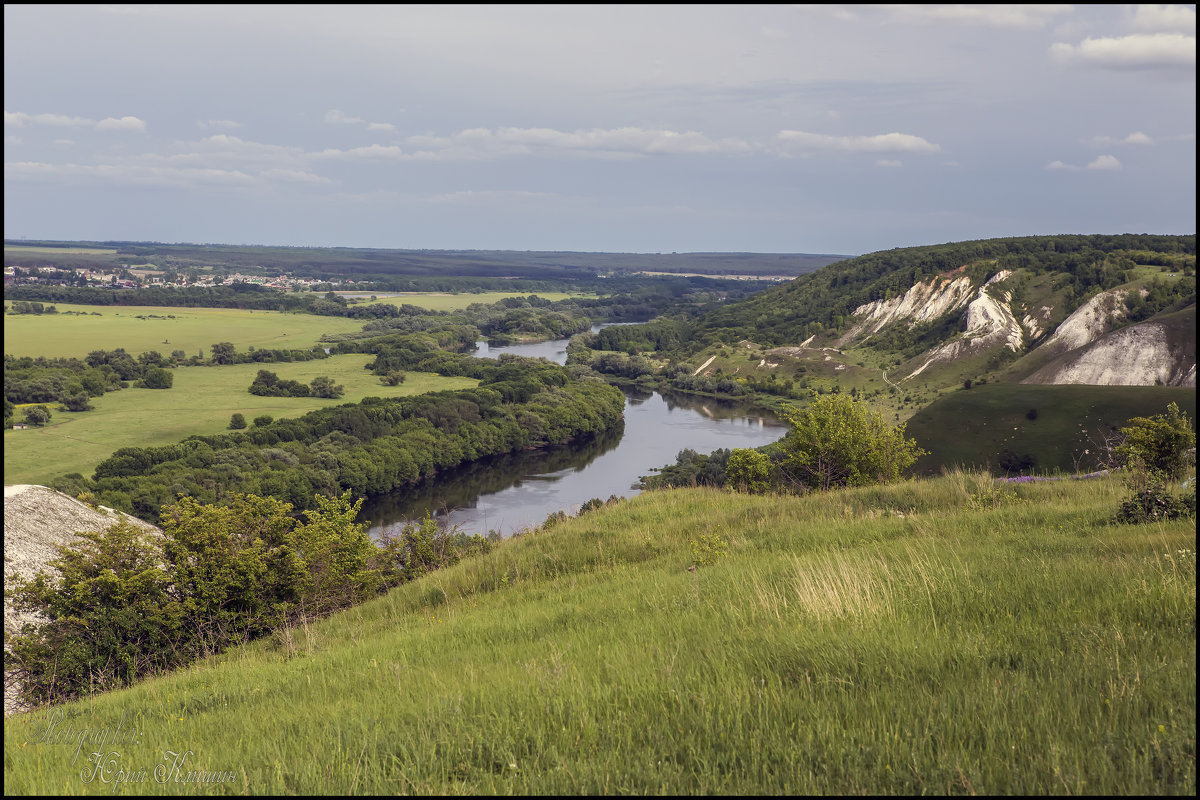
[(1054, 425), (162, 328), (948, 636), (200, 402)]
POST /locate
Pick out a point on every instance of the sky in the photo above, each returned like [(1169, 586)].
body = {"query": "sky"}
[(839, 129)]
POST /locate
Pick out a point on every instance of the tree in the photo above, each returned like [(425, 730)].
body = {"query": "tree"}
[(158, 378), (322, 386), (263, 421), (1158, 444), (237, 422), (748, 471), (77, 402), (224, 353), (37, 415), (838, 441)]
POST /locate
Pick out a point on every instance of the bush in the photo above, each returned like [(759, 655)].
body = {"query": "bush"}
[(158, 378), (37, 415), (838, 441), (263, 421), (237, 422), (1160, 444), (1154, 502), (748, 471)]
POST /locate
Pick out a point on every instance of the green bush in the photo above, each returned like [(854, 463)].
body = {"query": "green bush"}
[(1159, 444), (1154, 502), (839, 441)]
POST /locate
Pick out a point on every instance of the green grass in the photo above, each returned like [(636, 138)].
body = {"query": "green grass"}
[(200, 402), (444, 301), (192, 329), (34, 250), (935, 637), (970, 427)]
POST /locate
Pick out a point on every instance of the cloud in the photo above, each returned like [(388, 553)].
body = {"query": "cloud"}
[(471, 195), (220, 123), (122, 124), (1161, 18), (340, 118), (879, 143), (1058, 165), (381, 126), (18, 119), (1105, 162), (162, 176), (1014, 15), (1137, 137), (1137, 51), (12, 139), (887, 162)]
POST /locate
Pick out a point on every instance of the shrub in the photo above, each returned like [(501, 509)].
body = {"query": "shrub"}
[(838, 441), (1154, 502), (263, 421), (748, 471), (237, 422), (158, 378), (1159, 444), (37, 415)]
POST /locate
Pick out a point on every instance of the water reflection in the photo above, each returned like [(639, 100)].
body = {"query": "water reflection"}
[(511, 492)]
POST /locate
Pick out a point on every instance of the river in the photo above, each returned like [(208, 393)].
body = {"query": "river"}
[(509, 493)]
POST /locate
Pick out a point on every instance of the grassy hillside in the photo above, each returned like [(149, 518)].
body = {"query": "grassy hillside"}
[(974, 427), (948, 636)]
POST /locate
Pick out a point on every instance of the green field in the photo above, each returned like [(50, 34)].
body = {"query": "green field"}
[(440, 301), (46, 251), (951, 636), (972, 427), (65, 335), (201, 402)]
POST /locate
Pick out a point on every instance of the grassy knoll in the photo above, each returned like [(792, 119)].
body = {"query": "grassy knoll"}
[(201, 402), (971, 427), (446, 301), (191, 329), (947, 636)]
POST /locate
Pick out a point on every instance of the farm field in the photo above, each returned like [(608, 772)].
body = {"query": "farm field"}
[(74, 251), (142, 328), (201, 402), (445, 301)]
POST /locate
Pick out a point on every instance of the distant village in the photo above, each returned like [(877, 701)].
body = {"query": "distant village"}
[(133, 278)]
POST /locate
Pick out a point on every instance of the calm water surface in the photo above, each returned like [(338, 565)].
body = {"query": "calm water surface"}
[(511, 492)]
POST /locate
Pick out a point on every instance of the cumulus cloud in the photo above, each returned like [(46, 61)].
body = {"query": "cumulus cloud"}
[(18, 119), (1163, 18), (1137, 137), (802, 141), (1015, 15), (1105, 162), (340, 118), (1137, 51), (123, 124)]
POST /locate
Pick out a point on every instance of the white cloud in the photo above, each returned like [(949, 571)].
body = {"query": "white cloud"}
[(879, 143), (64, 141), (1015, 15), (122, 124), (887, 162), (1137, 51), (471, 195), (19, 118), (340, 118), (1058, 165), (1105, 162), (1161, 18), (220, 123), (293, 176), (1137, 137), (12, 139), (381, 126)]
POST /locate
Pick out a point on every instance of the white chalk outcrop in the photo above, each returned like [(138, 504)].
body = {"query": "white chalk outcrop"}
[(1088, 323), (925, 301), (1140, 355), (36, 519), (990, 324)]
